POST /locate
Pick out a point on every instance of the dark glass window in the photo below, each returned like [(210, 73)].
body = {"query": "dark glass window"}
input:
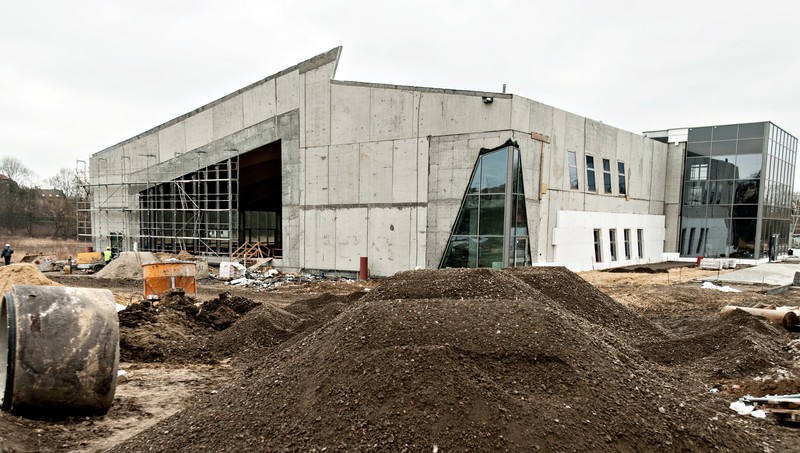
[(627, 238), (621, 174), (752, 130), (698, 149), (494, 172), (573, 170), (612, 242), (725, 132), (607, 175), (640, 240), (700, 134), (590, 184), (598, 247)]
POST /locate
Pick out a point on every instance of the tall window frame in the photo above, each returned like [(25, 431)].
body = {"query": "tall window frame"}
[(572, 163), (591, 184), (607, 176), (623, 189)]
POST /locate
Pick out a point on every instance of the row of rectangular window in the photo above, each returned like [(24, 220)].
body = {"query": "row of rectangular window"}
[(612, 242), (590, 174)]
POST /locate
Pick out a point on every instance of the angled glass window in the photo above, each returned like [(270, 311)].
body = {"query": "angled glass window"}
[(491, 229)]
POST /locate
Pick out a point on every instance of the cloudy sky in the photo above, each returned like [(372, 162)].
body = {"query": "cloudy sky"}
[(79, 76)]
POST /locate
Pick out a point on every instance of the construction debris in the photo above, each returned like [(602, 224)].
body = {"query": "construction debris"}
[(785, 409)]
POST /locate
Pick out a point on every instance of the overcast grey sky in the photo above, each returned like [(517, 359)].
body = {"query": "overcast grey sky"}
[(79, 76)]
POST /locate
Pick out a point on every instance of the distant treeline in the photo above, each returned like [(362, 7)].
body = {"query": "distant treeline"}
[(36, 212)]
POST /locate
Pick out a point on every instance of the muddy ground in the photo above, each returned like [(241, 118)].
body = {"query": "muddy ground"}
[(475, 360)]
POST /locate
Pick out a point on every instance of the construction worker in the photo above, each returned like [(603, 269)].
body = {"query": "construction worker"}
[(107, 255), (6, 254)]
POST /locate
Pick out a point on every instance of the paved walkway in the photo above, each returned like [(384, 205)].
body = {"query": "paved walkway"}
[(769, 274)]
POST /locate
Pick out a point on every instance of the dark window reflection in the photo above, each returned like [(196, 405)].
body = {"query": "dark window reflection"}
[(492, 208), (494, 172), (468, 218), (725, 132), (490, 252), (700, 134)]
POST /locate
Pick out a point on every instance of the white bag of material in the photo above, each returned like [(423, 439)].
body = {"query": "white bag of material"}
[(230, 270)]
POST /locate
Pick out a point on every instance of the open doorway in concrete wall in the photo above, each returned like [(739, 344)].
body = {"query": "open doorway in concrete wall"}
[(260, 200), (491, 229)]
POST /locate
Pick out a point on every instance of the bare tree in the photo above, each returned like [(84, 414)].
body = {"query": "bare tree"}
[(16, 170), (66, 181)]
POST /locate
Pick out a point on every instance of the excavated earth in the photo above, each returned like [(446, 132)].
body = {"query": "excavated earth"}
[(534, 359)]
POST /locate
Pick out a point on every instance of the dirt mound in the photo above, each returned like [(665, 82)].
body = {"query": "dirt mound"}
[(22, 274), (421, 374), (177, 329), (735, 345), (482, 283), (580, 297), (127, 265)]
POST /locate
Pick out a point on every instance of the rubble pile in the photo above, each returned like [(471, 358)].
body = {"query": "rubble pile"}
[(271, 279), (484, 360)]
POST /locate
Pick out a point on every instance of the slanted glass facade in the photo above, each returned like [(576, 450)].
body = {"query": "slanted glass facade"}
[(491, 229), (737, 190)]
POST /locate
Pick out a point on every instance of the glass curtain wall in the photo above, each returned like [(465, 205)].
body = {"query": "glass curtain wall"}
[(778, 183), (491, 229), (725, 184)]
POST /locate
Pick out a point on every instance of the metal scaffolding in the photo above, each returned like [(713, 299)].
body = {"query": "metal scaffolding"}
[(196, 212)]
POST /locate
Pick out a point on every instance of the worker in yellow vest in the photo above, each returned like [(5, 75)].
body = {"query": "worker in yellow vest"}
[(107, 255)]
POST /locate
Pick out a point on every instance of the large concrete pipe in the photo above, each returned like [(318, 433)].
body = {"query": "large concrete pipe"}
[(59, 350), (785, 318)]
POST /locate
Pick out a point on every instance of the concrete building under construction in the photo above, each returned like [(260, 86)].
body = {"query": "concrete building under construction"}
[(318, 173)]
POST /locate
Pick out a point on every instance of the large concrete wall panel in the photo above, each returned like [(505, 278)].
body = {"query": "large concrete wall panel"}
[(171, 142), (392, 114), (351, 237), (448, 114), (350, 114), (375, 176), (520, 114), (140, 154), (423, 169), (287, 92), (227, 117), (542, 118), (404, 171), (390, 236), (259, 103), (343, 180), (316, 173), (199, 130), (320, 237), (317, 106)]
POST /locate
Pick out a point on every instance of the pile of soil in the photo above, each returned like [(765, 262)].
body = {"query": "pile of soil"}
[(731, 346), (128, 265), (177, 329), (421, 364), (22, 274)]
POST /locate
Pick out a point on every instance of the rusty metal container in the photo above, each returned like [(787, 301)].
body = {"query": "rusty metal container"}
[(159, 277)]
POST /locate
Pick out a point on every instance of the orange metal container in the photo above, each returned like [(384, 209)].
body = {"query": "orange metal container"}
[(159, 277)]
